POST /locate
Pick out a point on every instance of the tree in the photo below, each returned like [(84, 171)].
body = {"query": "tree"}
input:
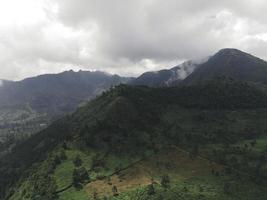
[(76, 179), (64, 145), (115, 190), (95, 195), (54, 161), (253, 143), (77, 161), (226, 188), (150, 189), (79, 176), (97, 163), (165, 181), (63, 155)]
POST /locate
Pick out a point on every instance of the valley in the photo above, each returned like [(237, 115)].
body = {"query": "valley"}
[(18, 124), (30, 105)]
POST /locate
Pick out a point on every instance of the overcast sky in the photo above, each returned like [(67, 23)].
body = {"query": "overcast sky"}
[(126, 37)]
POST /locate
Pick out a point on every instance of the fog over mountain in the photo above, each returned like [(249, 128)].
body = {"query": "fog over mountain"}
[(231, 63), (168, 77)]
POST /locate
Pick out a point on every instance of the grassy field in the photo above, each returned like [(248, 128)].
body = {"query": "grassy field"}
[(190, 178), (63, 172), (176, 163)]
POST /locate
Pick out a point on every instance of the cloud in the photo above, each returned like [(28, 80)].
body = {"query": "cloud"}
[(123, 36)]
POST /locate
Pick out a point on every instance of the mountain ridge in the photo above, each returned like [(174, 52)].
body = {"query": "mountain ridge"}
[(53, 85), (30, 105), (167, 77), (231, 63)]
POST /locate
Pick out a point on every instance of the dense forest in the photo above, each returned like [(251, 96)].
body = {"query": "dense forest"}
[(203, 141)]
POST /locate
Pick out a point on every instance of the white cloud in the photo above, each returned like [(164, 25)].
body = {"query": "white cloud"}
[(123, 36), (16, 12)]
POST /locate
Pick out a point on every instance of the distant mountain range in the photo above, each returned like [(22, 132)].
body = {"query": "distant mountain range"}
[(203, 139), (30, 105), (56, 93), (61, 93), (227, 62)]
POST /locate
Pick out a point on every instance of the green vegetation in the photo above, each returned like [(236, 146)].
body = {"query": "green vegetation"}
[(191, 142), (30, 105), (17, 124)]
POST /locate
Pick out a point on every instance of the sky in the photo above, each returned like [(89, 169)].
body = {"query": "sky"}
[(126, 37)]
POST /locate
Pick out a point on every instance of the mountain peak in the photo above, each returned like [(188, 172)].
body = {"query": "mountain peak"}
[(236, 57), (231, 63), (230, 52)]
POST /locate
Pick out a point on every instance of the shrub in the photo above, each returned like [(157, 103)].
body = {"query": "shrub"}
[(165, 181), (150, 189), (77, 161), (79, 176)]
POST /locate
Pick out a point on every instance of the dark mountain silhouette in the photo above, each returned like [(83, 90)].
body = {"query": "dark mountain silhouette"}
[(28, 106), (56, 93), (231, 63)]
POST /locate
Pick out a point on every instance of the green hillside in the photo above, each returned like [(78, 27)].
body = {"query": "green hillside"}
[(29, 105), (205, 141)]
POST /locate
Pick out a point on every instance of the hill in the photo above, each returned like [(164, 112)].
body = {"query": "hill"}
[(57, 93), (228, 62), (216, 130), (30, 105), (231, 63), (166, 77)]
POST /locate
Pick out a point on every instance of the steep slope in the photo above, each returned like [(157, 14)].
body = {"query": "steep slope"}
[(131, 124), (167, 77), (29, 105), (231, 63)]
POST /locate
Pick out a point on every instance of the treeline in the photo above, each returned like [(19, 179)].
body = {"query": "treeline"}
[(218, 93), (130, 120)]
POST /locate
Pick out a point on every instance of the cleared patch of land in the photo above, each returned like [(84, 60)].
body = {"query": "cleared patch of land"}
[(176, 163)]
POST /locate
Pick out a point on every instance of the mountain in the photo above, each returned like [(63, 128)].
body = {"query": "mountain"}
[(192, 141), (167, 77), (29, 105), (227, 62), (231, 63), (202, 141), (57, 93)]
